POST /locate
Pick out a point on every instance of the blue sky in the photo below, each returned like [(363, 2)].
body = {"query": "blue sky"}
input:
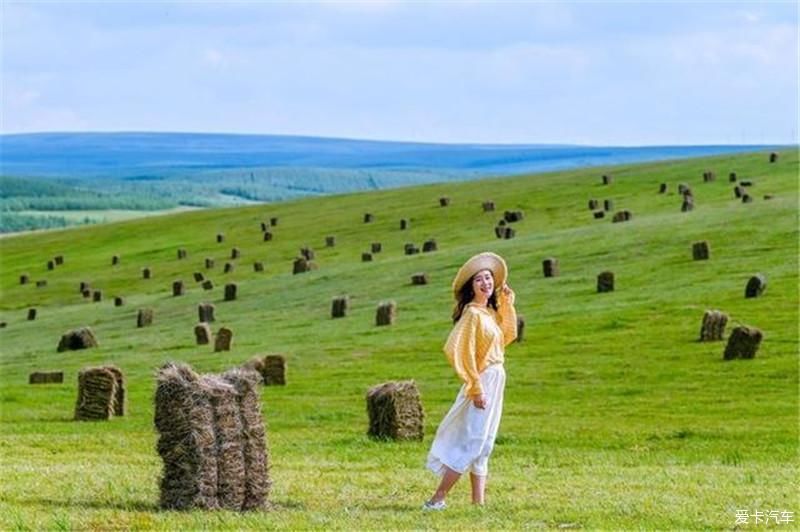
[(596, 73)]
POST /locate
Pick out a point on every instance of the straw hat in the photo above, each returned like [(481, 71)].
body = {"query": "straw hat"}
[(482, 261)]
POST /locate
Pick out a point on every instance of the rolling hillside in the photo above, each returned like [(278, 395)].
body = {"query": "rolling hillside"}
[(615, 415)]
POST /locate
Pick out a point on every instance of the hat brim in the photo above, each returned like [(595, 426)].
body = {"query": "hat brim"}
[(482, 261)]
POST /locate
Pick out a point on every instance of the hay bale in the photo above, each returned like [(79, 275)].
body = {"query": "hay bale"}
[(768, 196), (51, 265), (115, 260), (59, 260), (84, 286), (272, 369), (621, 216), (755, 286), (509, 233), (498, 231), (228, 430), (118, 301), (429, 245), (209, 263), (202, 333), (228, 267), (223, 340), (746, 198), (608, 205), (205, 312), (46, 377), (273, 221), (395, 411), (713, 326), (743, 343), (41, 284), (376, 247), (230, 292), (268, 236), (301, 265), (444, 202), (607, 179), (593, 204), (97, 392), (738, 191), (366, 257), (97, 296), (258, 266), (419, 279), (709, 176), (208, 285), (386, 313), (410, 249), (488, 206), (144, 317), (264, 226), (688, 204), (746, 183), (512, 216), (147, 273), (24, 278), (662, 188), (605, 282), (330, 241), (198, 277), (235, 253), (599, 214), (550, 267), (177, 288), (187, 441), (520, 328), (773, 157), (339, 306), (684, 189), (368, 218), (119, 401), (700, 250), (732, 177), (307, 253), (3, 324), (181, 254), (80, 338), (403, 224), (86, 294), (220, 238), (31, 314)]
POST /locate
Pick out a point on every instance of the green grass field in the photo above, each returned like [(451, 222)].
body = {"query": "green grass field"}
[(615, 417)]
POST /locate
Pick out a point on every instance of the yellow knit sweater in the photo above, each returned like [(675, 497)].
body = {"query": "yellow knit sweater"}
[(478, 340)]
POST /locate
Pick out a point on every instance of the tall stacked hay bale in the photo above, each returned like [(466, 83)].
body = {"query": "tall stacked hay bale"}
[(307, 253), (198, 277), (31, 314), (403, 224), (101, 394), (181, 254), (621, 216), (732, 177), (330, 241), (144, 318), (444, 201), (368, 217), (419, 279), (608, 205), (339, 306), (208, 284), (272, 369), (59, 260), (228, 268), (607, 179), (209, 263), (592, 204), (119, 301), (395, 411), (24, 278), (713, 327), (81, 338), (220, 238), (709, 176), (223, 340), (202, 333), (268, 236), (147, 273), (743, 343), (258, 266), (755, 286), (301, 265), (429, 245), (386, 313), (700, 250), (46, 377), (773, 157), (366, 257), (487, 206), (605, 282), (550, 267), (376, 247), (51, 265), (178, 288), (410, 249), (212, 440), (662, 189), (230, 291), (97, 296), (115, 260), (688, 203), (273, 221), (235, 253)]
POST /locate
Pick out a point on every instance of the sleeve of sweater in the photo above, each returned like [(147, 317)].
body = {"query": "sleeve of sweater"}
[(507, 317), (461, 350)]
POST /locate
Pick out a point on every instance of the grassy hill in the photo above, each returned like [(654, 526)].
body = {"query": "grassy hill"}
[(615, 417)]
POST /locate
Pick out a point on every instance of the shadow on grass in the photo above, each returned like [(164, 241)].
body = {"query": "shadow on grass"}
[(132, 506)]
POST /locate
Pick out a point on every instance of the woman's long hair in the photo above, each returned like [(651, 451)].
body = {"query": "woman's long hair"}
[(465, 296)]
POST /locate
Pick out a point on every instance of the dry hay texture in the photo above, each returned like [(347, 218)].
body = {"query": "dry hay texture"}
[(230, 291), (743, 343), (46, 377), (386, 313), (81, 338), (419, 279), (272, 369), (212, 440), (144, 317), (395, 411), (209, 263), (223, 340), (177, 288), (205, 312), (339, 307), (713, 327), (550, 267), (101, 394), (202, 333)]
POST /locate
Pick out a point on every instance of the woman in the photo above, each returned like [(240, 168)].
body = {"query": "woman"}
[(485, 322)]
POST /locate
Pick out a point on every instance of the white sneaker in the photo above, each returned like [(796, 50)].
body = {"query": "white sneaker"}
[(434, 506)]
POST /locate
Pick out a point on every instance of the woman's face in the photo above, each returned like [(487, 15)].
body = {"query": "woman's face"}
[(483, 283)]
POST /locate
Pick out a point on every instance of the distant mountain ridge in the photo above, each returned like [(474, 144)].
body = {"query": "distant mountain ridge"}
[(125, 155)]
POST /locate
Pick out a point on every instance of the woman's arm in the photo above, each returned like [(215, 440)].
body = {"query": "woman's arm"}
[(461, 349), (507, 314)]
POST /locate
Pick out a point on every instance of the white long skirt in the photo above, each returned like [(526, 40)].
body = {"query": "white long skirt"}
[(465, 437)]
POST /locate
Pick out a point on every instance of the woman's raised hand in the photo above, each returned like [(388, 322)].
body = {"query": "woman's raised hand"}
[(508, 293)]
